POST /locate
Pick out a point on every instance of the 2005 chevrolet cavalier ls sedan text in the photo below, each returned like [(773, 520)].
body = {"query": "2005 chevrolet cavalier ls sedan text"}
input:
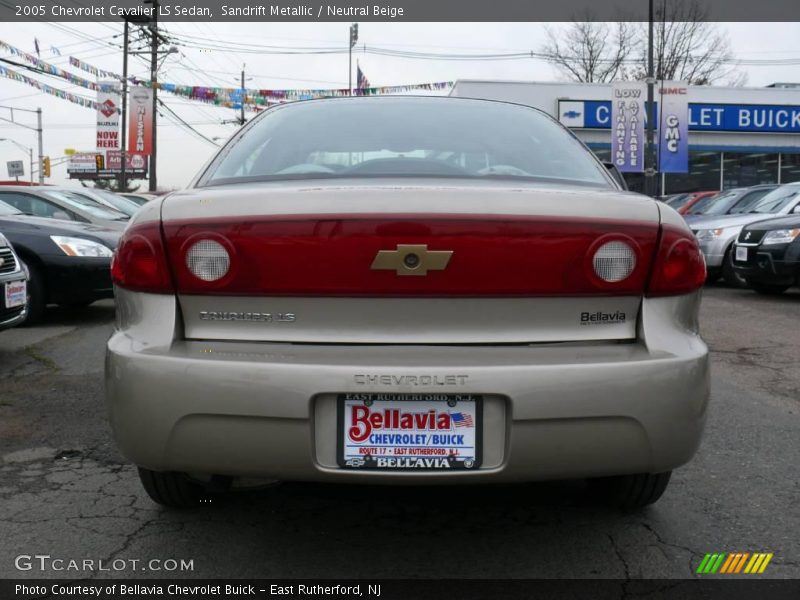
[(407, 290)]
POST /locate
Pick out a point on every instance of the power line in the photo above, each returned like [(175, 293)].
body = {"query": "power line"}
[(190, 128)]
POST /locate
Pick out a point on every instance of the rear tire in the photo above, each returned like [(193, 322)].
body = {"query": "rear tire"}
[(729, 274), (171, 489), (630, 492), (37, 295), (767, 288)]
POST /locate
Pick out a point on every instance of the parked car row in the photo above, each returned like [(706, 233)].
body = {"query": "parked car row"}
[(55, 248), (749, 236)]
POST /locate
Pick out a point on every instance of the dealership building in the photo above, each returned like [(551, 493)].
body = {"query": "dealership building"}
[(738, 136)]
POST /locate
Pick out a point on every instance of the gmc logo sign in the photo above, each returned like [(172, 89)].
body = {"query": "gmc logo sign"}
[(672, 91)]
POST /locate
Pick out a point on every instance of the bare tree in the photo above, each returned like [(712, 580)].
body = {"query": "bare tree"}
[(589, 50), (687, 47)]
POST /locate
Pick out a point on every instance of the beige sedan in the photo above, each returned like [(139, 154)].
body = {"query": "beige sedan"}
[(406, 290)]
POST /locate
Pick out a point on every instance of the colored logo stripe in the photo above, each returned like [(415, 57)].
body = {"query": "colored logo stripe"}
[(733, 563), (758, 563)]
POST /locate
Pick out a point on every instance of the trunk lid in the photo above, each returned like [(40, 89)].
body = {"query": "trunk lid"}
[(427, 262)]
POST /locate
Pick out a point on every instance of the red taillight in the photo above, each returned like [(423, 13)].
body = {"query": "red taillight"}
[(139, 263), (491, 255), (679, 267)]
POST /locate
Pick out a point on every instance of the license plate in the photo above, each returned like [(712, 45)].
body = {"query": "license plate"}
[(418, 432), (741, 253), (16, 293)]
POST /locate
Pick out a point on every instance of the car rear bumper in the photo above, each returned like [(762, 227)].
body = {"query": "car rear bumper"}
[(269, 410)]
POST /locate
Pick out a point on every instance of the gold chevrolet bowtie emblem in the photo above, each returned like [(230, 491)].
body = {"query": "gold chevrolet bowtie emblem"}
[(411, 259)]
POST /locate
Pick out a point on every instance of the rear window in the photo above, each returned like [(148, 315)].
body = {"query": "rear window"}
[(415, 137)]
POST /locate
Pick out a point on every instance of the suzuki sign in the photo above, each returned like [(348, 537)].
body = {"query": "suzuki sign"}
[(108, 101)]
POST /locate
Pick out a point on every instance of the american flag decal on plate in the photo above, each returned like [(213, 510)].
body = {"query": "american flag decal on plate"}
[(462, 420)]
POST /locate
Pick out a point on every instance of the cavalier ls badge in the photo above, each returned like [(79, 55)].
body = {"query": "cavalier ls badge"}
[(411, 259)]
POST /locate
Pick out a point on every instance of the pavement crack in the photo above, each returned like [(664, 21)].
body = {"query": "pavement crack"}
[(621, 558)]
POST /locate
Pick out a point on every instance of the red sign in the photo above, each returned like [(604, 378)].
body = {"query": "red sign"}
[(135, 161), (108, 108), (140, 121)]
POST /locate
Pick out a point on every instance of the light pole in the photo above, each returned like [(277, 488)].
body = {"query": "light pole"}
[(650, 162), (244, 95), (37, 129), (124, 144), (24, 149), (353, 40)]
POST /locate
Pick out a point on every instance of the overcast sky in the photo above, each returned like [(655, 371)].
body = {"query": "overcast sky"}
[(181, 154)]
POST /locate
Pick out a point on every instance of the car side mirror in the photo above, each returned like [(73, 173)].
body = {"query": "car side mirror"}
[(796, 210), (60, 214), (616, 174)]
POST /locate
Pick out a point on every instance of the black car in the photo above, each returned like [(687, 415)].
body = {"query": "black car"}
[(767, 254), (68, 262)]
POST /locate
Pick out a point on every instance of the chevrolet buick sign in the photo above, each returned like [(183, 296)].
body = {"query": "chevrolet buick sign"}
[(756, 118)]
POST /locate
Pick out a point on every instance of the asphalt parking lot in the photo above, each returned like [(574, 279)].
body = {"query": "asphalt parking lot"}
[(66, 492)]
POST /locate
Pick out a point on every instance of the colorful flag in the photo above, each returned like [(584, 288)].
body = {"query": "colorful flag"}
[(462, 420)]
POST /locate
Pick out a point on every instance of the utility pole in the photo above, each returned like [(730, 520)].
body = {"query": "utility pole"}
[(650, 159), (241, 119), (41, 149), (124, 145), (154, 85), (353, 40)]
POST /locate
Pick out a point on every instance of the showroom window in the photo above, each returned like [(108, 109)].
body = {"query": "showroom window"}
[(790, 168), (703, 175), (739, 169), (744, 170)]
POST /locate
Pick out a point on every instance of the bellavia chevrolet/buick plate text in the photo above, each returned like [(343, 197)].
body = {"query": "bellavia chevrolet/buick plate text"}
[(409, 431)]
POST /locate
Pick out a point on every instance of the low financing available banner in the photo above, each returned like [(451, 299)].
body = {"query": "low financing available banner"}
[(108, 103), (627, 125), (140, 121), (673, 136)]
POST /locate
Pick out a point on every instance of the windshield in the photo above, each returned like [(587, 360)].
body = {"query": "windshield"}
[(704, 205), (748, 201), (678, 201), (76, 200), (776, 200), (416, 137), (6, 209)]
